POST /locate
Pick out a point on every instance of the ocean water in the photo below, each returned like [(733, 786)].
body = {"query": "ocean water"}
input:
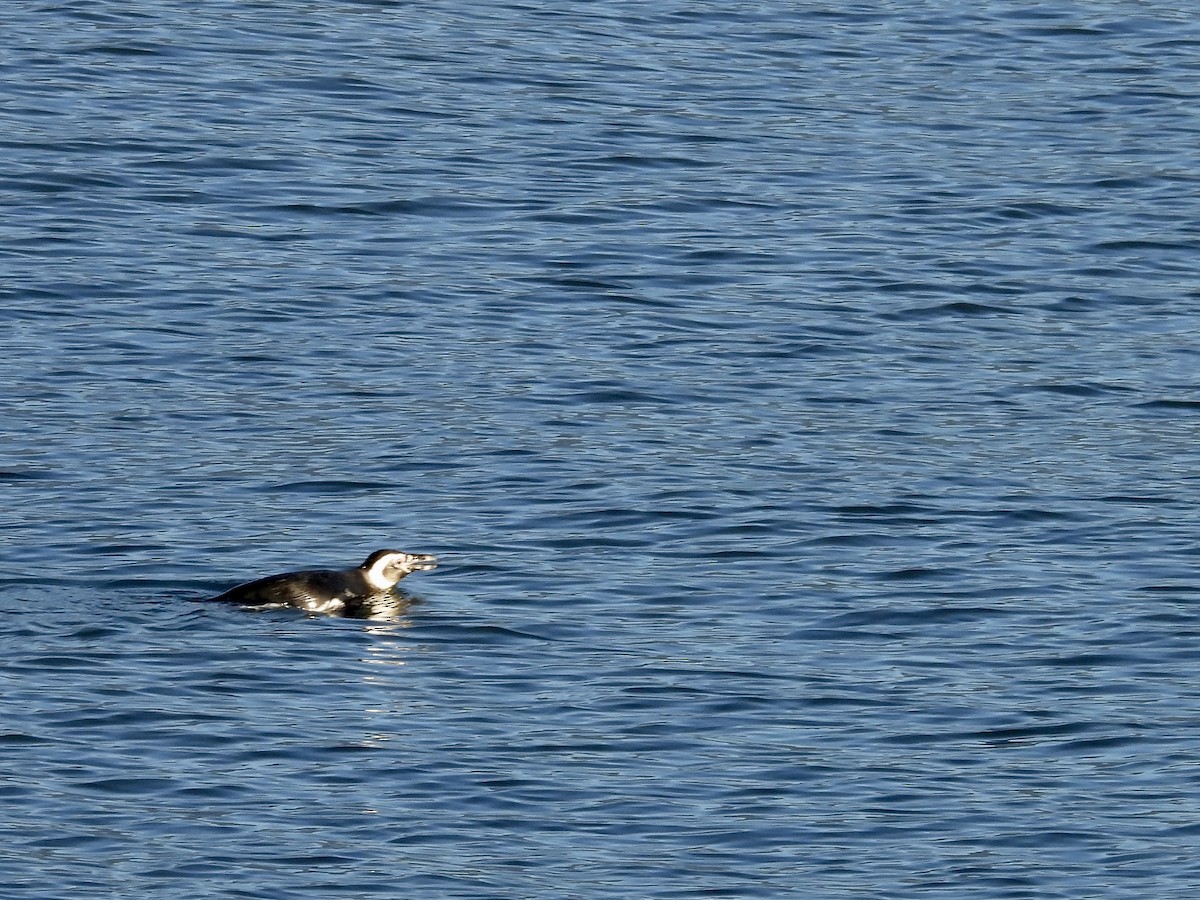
[(803, 401)]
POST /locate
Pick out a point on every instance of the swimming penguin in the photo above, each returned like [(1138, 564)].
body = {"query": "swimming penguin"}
[(331, 591)]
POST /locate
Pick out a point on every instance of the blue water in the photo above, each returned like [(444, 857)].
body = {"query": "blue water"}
[(803, 400)]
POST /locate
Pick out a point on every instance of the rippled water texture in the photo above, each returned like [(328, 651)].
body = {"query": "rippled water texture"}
[(802, 400)]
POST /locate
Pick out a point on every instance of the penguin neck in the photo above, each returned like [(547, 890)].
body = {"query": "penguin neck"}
[(375, 581)]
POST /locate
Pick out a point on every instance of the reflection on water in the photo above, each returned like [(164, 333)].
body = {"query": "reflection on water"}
[(386, 606)]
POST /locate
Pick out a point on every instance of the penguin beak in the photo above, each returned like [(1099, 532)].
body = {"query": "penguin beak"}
[(420, 562)]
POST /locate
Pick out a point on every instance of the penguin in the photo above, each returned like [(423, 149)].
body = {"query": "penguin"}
[(330, 590)]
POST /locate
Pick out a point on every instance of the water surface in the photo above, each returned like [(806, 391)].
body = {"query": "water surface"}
[(803, 402)]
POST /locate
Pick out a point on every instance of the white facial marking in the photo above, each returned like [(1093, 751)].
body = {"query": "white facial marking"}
[(377, 575)]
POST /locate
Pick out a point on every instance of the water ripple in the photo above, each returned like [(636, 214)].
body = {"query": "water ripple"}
[(801, 402)]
